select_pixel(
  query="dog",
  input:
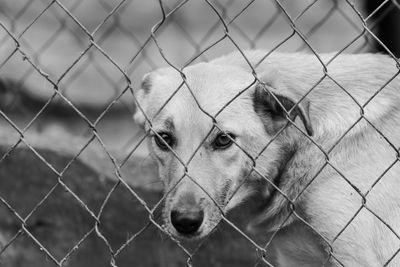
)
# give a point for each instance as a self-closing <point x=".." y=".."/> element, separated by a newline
<point x="316" y="138"/>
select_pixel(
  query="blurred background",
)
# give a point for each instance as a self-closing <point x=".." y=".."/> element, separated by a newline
<point x="56" y="39"/>
<point x="67" y="69"/>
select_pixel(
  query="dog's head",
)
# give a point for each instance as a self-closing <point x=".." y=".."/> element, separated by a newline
<point x="208" y="133"/>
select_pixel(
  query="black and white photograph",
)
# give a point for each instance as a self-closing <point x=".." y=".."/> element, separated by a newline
<point x="199" y="133"/>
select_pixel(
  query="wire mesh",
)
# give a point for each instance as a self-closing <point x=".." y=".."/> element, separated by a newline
<point x="84" y="60"/>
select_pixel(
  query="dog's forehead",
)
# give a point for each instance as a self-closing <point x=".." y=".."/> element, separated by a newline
<point x="206" y="85"/>
<point x="208" y="90"/>
<point x="223" y="93"/>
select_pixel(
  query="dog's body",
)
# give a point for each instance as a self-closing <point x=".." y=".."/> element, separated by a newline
<point x="325" y="188"/>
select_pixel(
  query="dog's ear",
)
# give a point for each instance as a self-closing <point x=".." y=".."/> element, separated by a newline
<point x="140" y="95"/>
<point x="274" y="100"/>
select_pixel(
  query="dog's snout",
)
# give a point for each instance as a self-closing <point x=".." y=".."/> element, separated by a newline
<point x="187" y="221"/>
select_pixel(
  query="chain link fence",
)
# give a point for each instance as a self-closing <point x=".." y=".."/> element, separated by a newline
<point x="78" y="187"/>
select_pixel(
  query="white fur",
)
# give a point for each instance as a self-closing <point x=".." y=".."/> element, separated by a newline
<point x="329" y="202"/>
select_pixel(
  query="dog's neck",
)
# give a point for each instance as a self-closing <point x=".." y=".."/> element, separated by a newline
<point x="301" y="169"/>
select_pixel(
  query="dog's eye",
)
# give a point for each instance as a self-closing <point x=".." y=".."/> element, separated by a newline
<point x="164" y="139"/>
<point x="223" y="141"/>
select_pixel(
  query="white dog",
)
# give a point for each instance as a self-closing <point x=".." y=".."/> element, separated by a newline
<point x="327" y="171"/>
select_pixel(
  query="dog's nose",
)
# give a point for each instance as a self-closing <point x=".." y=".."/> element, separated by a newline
<point x="187" y="221"/>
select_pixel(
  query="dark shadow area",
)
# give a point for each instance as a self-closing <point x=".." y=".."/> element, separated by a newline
<point x="388" y="25"/>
